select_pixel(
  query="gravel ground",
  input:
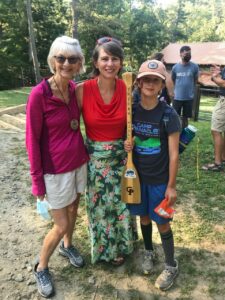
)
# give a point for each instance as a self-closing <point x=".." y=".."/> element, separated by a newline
<point x="22" y="231"/>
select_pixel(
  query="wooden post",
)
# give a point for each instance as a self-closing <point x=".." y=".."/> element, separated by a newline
<point x="75" y="19"/>
<point x="32" y="42"/>
<point x="196" y="103"/>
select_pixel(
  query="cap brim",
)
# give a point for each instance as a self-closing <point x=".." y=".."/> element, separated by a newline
<point x="150" y="73"/>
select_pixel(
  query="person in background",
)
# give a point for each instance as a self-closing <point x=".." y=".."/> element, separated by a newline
<point x="103" y="104"/>
<point x="184" y="76"/>
<point x="57" y="155"/>
<point x="156" y="130"/>
<point x="135" y="93"/>
<point x="218" y="122"/>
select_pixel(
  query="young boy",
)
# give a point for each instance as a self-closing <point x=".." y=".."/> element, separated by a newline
<point x="156" y="129"/>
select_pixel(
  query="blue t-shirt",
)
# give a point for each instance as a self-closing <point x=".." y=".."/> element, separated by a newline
<point x="184" y="77"/>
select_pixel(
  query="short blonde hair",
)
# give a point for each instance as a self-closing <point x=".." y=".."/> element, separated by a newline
<point x="65" y="45"/>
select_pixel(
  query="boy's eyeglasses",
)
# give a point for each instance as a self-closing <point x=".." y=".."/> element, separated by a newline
<point x="107" y="39"/>
<point x="71" y="59"/>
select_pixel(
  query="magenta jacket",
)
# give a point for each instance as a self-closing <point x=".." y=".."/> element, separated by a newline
<point x="53" y="146"/>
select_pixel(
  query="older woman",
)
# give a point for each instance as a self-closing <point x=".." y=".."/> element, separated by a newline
<point x="103" y="104"/>
<point x="57" y="153"/>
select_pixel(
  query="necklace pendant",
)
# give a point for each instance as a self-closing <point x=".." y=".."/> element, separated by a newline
<point x="74" y="124"/>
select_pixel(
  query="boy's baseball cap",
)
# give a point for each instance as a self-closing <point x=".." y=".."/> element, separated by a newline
<point x="152" y="67"/>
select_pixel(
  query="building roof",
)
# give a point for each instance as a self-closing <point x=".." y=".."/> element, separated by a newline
<point x="205" y="79"/>
<point x="202" y="53"/>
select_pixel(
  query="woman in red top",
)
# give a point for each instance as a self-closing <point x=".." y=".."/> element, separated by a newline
<point x="103" y="104"/>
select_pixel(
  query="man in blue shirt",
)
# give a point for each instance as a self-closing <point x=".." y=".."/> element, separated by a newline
<point x="184" y="76"/>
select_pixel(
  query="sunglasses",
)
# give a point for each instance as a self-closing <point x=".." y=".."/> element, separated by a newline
<point x="71" y="60"/>
<point x="107" y="39"/>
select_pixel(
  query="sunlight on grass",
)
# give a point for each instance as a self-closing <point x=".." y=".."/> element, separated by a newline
<point x="207" y="190"/>
<point x="206" y="108"/>
<point x="14" y="97"/>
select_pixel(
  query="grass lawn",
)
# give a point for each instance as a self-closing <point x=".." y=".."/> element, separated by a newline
<point x="206" y="106"/>
<point x="14" y="97"/>
<point x="19" y="96"/>
<point x="200" y="222"/>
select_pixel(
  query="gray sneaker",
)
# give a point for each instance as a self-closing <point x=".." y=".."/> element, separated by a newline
<point x="73" y="254"/>
<point x="44" y="282"/>
<point x="167" y="277"/>
<point x="148" y="262"/>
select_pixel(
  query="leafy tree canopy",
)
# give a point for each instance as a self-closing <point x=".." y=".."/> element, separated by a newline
<point x="143" y="26"/>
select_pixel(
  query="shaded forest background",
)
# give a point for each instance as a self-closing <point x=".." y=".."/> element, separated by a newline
<point x="143" y="26"/>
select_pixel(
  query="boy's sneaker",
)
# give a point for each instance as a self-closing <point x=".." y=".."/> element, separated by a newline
<point x="44" y="282"/>
<point x="166" y="278"/>
<point x="73" y="254"/>
<point x="148" y="262"/>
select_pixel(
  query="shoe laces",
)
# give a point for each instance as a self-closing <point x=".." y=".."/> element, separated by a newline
<point x="73" y="251"/>
<point x="149" y="255"/>
<point x="44" y="277"/>
<point x="166" y="273"/>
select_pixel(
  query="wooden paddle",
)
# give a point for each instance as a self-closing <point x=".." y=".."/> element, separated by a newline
<point x="130" y="184"/>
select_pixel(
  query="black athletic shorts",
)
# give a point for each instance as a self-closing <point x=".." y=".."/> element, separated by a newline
<point x="183" y="107"/>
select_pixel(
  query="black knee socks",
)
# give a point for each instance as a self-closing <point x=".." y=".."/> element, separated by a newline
<point x="168" y="247"/>
<point x="167" y="243"/>
<point x="147" y="235"/>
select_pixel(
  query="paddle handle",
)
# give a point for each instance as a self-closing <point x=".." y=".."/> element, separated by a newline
<point x="130" y="184"/>
<point x="129" y="114"/>
<point x="128" y="79"/>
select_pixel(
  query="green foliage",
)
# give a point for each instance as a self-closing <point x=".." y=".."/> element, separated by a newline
<point x="13" y="49"/>
<point x="208" y="19"/>
<point x="50" y="15"/>
<point x="142" y="25"/>
<point x="97" y="19"/>
<point x="13" y="97"/>
<point x="196" y="21"/>
<point x="49" y="22"/>
<point x="147" y="35"/>
<point x="176" y="21"/>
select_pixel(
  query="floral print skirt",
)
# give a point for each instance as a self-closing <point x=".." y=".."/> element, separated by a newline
<point x="112" y="229"/>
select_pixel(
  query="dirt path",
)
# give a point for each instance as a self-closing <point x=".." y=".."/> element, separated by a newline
<point x="22" y="231"/>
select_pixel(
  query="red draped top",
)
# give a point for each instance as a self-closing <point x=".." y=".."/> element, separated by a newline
<point x="104" y="122"/>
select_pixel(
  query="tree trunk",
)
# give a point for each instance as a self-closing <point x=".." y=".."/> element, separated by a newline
<point x="75" y="19"/>
<point x="32" y="42"/>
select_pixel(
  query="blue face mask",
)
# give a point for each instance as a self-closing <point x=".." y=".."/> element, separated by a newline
<point x="43" y="208"/>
